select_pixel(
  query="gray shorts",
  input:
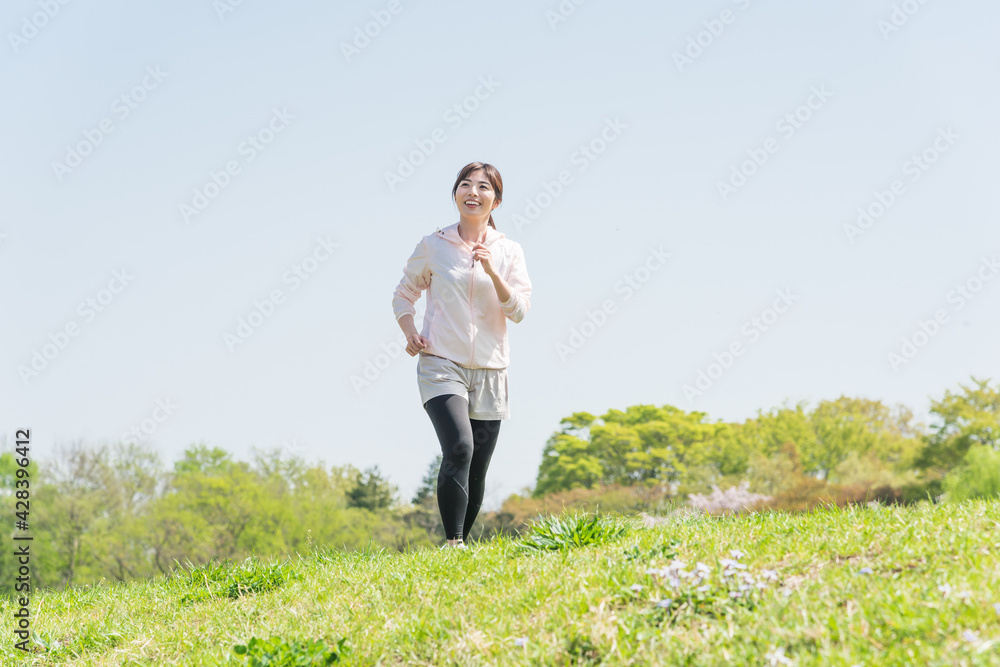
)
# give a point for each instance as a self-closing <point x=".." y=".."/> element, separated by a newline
<point x="484" y="388"/>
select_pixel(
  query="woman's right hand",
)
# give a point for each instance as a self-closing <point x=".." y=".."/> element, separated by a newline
<point x="414" y="343"/>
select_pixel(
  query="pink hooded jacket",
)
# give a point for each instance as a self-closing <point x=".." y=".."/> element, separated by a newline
<point x="464" y="320"/>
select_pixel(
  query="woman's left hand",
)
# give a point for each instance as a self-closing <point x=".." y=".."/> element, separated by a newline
<point x="482" y="254"/>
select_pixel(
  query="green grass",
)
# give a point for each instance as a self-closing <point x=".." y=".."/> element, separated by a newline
<point x="870" y="586"/>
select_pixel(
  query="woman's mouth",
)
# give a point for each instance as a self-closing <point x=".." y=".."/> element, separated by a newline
<point x="472" y="204"/>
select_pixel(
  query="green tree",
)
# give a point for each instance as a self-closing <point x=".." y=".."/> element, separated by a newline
<point x="427" y="492"/>
<point x="8" y="489"/>
<point x="613" y="442"/>
<point x="643" y="444"/>
<point x="673" y="443"/>
<point x="72" y="500"/>
<point x="212" y="508"/>
<point x="371" y="491"/>
<point x="861" y="430"/>
<point x="132" y="478"/>
<point x="769" y="432"/>
<point x="977" y="477"/>
<point x="568" y="462"/>
<point x="568" y="459"/>
<point x="964" y="418"/>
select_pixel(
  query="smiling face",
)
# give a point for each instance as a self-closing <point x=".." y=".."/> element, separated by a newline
<point x="475" y="195"/>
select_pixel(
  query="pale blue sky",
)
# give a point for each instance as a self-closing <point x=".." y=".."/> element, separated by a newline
<point x="884" y="98"/>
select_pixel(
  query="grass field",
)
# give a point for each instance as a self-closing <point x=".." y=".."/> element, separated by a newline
<point x="916" y="585"/>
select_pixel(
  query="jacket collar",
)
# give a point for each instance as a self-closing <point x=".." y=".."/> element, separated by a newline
<point x="451" y="234"/>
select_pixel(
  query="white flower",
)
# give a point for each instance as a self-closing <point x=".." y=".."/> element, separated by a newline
<point x="778" y="657"/>
<point x="706" y="587"/>
<point x="865" y="570"/>
<point x="770" y="574"/>
<point x="733" y="499"/>
<point x="964" y="594"/>
<point x="664" y="603"/>
<point x="996" y="607"/>
<point x="701" y="567"/>
<point x="737" y="554"/>
<point x="970" y="636"/>
<point x="726" y="562"/>
<point x="635" y="587"/>
<point x="520" y="641"/>
<point x="945" y="589"/>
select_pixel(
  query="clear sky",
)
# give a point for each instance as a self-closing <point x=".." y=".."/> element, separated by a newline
<point x="169" y="169"/>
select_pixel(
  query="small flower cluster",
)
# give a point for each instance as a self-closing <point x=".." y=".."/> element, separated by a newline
<point x="698" y="585"/>
<point x="969" y="636"/>
<point x="778" y="657"/>
<point x="946" y="589"/>
<point x="733" y="499"/>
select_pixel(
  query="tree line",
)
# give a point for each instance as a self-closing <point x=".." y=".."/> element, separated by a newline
<point x="114" y="512"/>
<point x="847" y="441"/>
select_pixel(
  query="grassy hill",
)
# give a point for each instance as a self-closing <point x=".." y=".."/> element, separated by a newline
<point x="917" y="585"/>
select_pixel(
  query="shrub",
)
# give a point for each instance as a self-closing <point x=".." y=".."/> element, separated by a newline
<point x="277" y="652"/>
<point x="977" y="477"/>
<point x="564" y="532"/>
<point x="810" y="492"/>
<point x="516" y="513"/>
<point x="233" y="580"/>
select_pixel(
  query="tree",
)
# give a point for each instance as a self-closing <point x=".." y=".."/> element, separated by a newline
<point x="568" y="462"/>
<point x="71" y="501"/>
<point x="673" y="443"/>
<point x="967" y="418"/>
<point x="860" y="429"/>
<point x="770" y="431"/>
<point x="977" y="477"/>
<point x="133" y="479"/>
<point x="644" y="443"/>
<point x="371" y="491"/>
<point x="427" y="492"/>
<point x="8" y="498"/>
<point x="214" y="507"/>
<point x="613" y="442"/>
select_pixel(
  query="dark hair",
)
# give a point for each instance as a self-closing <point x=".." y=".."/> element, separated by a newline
<point x="492" y="175"/>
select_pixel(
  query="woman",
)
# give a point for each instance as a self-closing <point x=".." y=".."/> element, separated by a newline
<point x="476" y="281"/>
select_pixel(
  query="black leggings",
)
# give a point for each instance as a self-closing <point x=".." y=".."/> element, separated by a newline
<point x="466" y="447"/>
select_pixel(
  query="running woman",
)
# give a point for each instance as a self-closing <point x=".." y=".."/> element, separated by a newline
<point x="476" y="281"/>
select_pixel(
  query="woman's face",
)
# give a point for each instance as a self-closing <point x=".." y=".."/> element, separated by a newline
<point x="475" y="195"/>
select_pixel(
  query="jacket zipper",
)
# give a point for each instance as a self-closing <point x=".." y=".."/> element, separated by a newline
<point x="472" y="315"/>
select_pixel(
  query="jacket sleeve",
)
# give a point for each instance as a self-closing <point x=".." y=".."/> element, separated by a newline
<point x="516" y="307"/>
<point x="416" y="278"/>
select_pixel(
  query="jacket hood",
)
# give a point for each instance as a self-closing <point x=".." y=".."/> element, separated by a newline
<point x="451" y="233"/>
